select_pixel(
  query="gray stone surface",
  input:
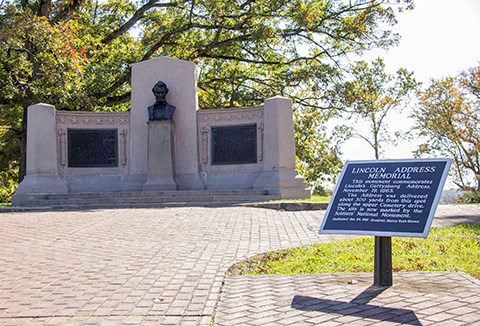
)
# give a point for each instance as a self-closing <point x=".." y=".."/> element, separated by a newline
<point x="279" y="174"/>
<point x="125" y="199"/>
<point x="160" y="175"/>
<point x="180" y="77"/>
<point x="166" y="267"/>
<point x="42" y="171"/>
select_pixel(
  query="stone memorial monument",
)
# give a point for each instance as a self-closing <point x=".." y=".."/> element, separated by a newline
<point x="164" y="143"/>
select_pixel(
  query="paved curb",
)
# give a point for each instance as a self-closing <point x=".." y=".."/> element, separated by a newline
<point x="71" y="207"/>
<point x="280" y="206"/>
<point x="290" y="206"/>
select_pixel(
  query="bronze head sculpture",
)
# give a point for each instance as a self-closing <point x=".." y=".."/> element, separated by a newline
<point x="161" y="110"/>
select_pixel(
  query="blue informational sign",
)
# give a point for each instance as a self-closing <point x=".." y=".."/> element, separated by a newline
<point x="386" y="197"/>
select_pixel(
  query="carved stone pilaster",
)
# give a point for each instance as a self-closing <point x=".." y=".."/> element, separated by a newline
<point x="62" y="135"/>
<point x="123" y="147"/>
<point x="204" y="149"/>
<point x="260" y="129"/>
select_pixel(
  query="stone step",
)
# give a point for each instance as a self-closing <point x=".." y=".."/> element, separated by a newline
<point x="150" y="199"/>
<point x="132" y="201"/>
<point x="43" y="206"/>
<point x="153" y="194"/>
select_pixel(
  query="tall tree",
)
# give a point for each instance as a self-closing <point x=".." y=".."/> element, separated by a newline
<point x="76" y="54"/>
<point x="448" y="115"/>
<point x="370" y="96"/>
<point x="319" y="155"/>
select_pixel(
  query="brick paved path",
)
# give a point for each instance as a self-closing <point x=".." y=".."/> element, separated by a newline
<point x="325" y="299"/>
<point x="134" y="266"/>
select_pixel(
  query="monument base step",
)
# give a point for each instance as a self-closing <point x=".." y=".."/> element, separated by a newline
<point x="146" y="199"/>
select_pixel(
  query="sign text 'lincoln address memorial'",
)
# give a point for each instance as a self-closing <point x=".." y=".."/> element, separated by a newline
<point x="387" y="197"/>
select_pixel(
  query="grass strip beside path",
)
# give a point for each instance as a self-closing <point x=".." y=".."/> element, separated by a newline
<point x="450" y="249"/>
<point x="312" y="199"/>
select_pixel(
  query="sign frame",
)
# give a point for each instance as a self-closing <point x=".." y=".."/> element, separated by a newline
<point x="383" y="233"/>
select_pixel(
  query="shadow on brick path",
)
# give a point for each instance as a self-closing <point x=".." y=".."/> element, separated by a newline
<point x="357" y="307"/>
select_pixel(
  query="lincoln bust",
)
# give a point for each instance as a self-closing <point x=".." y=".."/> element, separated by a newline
<point x="161" y="110"/>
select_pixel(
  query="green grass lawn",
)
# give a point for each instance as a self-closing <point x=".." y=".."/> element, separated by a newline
<point x="452" y="249"/>
<point x="317" y="198"/>
<point x="312" y="199"/>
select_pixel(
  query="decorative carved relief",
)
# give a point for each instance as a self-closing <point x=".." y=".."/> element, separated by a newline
<point x="62" y="134"/>
<point x="123" y="147"/>
<point x="92" y="118"/>
<point x="249" y="114"/>
<point x="205" y="132"/>
<point x="260" y="141"/>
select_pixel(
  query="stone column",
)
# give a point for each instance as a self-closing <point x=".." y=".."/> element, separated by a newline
<point x="160" y="159"/>
<point x="42" y="155"/>
<point x="181" y="78"/>
<point x="279" y="175"/>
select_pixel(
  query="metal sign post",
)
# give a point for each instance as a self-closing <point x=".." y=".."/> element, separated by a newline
<point x="386" y="198"/>
<point x="382" y="269"/>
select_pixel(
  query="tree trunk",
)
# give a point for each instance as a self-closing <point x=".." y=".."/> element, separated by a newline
<point x="376" y="146"/>
<point x="477" y="175"/>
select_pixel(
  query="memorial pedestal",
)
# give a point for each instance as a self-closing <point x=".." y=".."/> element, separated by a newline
<point x="160" y="157"/>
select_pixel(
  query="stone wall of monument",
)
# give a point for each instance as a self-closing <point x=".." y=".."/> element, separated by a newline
<point x="109" y="133"/>
<point x="246" y="163"/>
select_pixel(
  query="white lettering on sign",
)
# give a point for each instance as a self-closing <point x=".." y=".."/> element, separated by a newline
<point x="386" y="197"/>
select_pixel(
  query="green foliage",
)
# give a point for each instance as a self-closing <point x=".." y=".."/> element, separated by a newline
<point x="370" y="96"/>
<point x="448" y="116"/>
<point x="452" y="249"/>
<point x="470" y="197"/>
<point x="318" y="198"/>
<point x="9" y="147"/>
<point x="312" y="199"/>
<point x="76" y="55"/>
<point x="319" y="157"/>
<point x="8" y="184"/>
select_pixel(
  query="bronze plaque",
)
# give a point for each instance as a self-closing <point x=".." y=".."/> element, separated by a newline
<point x="91" y="148"/>
<point x="234" y="144"/>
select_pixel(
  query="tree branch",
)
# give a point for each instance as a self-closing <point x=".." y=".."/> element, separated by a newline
<point x="163" y="41"/>
<point x="125" y="78"/>
<point x="44" y="8"/>
<point x="66" y="10"/>
<point x="120" y="99"/>
<point x="135" y="18"/>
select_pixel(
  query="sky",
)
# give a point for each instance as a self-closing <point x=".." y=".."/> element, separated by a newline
<point x="439" y="38"/>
